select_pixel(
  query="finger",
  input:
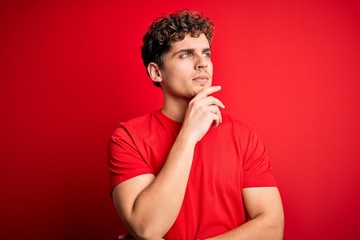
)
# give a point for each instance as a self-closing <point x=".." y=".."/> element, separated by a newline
<point x="217" y="117"/>
<point x="210" y="100"/>
<point x="216" y="121"/>
<point x="206" y="91"/>
<point x="216" y="110"/>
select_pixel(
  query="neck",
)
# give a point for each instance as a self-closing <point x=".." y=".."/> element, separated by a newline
<point x="175" y="108"/>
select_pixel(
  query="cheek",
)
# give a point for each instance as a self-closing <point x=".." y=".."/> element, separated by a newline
<point x="185" y="67"/>
<point x="183" y="72"/>
<point x="179" y="72"/>
<point x="210" y="68"/>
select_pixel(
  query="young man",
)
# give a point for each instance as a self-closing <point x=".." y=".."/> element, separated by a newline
<point x="188" y="171"/>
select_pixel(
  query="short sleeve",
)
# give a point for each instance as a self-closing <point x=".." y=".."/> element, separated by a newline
<point x="125" y="159"/>
<point x="257" y="167"/>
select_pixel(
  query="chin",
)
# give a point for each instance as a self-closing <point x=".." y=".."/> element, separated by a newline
<point x="202" y="86"/>
<point x="196" y="91"/>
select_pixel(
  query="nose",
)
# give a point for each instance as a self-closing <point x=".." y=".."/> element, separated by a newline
<point x="201" y="62"/>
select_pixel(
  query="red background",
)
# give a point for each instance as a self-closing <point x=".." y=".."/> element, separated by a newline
<point x="70" y="71"/>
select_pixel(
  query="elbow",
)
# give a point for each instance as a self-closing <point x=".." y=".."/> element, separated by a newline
<point x="144" y="229"/>
<point x="272" y="226"/>
<point x="278" y="233"/>
<point x="277" y="228"/>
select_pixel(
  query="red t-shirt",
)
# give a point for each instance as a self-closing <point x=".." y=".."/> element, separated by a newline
<point x="226" y="160"/>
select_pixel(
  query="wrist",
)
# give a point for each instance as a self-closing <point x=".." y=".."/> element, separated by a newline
<point x="186" y="138"/>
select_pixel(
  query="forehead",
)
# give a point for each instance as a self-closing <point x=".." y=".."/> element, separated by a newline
<point x="189" y="42"/>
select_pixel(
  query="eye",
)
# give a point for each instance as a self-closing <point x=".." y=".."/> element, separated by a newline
<point x="207" y="54"/>
<point x="185" y="55"/>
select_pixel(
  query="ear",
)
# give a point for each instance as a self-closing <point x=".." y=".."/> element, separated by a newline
<point x="154" y="72"/>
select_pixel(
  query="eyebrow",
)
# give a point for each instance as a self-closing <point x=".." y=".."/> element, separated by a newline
<point x="190" y="50"/>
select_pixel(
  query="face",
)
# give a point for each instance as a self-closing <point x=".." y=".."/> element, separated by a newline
<point x="187" y="67"/>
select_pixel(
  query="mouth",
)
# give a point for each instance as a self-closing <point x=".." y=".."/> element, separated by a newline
<point x="201" y="78"/>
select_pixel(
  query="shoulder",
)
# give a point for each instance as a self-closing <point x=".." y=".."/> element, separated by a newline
<point x="138" y="122"/>
<point x="131" y="126"/>
<point x="237" y="129"/>
<point x="236" y="124"/>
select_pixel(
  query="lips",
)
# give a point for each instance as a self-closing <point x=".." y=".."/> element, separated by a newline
<point x="201" y="78"/>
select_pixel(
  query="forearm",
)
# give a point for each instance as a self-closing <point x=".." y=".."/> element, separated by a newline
<point x="157" y="206"/>
<point x="260" y="228"/>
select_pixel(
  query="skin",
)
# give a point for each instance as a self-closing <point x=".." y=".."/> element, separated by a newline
<point x="142" y="201"/>
<point x="187" y="70"/>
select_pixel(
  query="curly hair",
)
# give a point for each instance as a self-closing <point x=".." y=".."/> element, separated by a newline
<point x="173" y="28"/>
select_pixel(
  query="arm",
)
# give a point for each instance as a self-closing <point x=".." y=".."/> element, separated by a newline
<point x="264" y="207"/>
<point x="149" y="205"/>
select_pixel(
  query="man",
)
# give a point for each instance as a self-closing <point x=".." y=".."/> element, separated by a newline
<point x="188" y="171"/>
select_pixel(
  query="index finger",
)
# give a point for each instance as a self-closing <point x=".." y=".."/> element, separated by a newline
<point x="206" y="92"/>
